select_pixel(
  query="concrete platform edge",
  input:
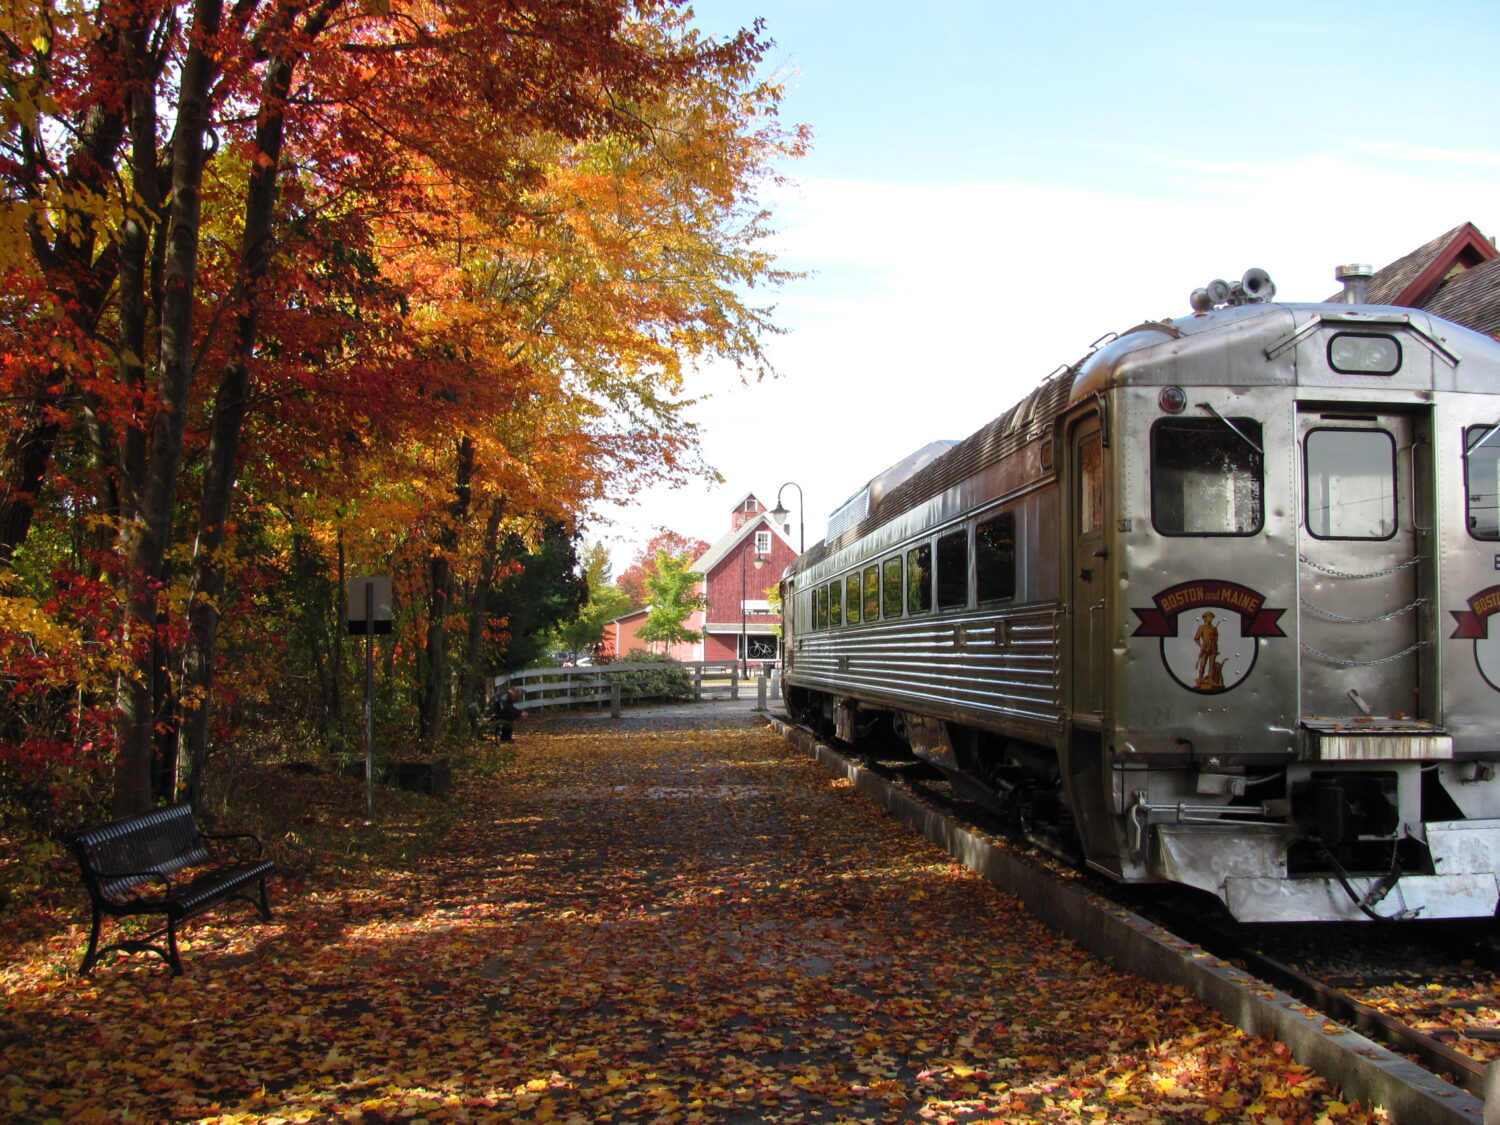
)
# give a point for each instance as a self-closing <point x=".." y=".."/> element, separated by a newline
<point x="1361" y="1068"/>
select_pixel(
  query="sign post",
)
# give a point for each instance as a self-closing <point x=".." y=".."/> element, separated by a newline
<point x="369" y="612"/>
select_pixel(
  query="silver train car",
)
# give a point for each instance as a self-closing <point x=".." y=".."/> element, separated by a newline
<point x="1211" y="606"/>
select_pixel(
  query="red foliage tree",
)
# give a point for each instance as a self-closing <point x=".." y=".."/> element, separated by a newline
<point x="205" y="203"/>
<point x="633" y="579"/>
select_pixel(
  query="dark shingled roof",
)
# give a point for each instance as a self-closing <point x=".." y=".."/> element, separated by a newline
<point x="1471" y="297"/>
<point x="1456" y="276"/>
<point x="1391" y="281"/>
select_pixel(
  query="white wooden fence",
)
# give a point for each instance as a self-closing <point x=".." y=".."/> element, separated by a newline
<point x="608" y="684"/>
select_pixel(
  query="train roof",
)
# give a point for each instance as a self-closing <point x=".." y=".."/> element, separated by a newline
<point x="1127" y="359"/>
<point x="1130" y="358"/>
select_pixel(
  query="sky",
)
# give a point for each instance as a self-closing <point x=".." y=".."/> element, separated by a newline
<point x="993" y="186"/>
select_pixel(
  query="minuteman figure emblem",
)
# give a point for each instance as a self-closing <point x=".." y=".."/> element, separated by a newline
<point x="1231" y="621"/>
<point x="1210" y="667"/>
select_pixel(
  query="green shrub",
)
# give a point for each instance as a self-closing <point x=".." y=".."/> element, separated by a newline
<point x="666" y="679"/>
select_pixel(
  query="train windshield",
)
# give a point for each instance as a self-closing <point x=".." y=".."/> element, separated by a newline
<point x="1351" y="484"/>
<point x="1207" y="476"/>
<point x="1482" y="474"/>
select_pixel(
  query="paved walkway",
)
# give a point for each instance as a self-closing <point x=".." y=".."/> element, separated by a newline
<point x="671" y="917"/>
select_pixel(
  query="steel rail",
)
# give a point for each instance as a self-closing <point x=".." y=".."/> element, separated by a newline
<point x="1428" y="1050"/>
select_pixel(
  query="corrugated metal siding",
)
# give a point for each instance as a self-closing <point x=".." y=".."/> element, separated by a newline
<point x="1006" y="668"/>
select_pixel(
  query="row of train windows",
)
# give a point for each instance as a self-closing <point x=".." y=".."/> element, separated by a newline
<point x="1207" y="478"/>
<point x="935" y="573"/>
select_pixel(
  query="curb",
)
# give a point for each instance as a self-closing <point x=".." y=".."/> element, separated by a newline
<point x="1361" y="1068"/>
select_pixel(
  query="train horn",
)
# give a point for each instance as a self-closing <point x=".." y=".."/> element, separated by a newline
<point x="1258" y="285"/>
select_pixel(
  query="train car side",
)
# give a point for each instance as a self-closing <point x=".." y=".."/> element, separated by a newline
<point x="1187" y="609"/>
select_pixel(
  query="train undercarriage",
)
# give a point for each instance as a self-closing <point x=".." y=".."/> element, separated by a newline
<point x="1343" y="841"/>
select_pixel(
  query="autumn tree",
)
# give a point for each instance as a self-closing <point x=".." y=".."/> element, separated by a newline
<point x="671" y="597"/>
<point x="644" y="564"/>
<point x="271" y="251"/>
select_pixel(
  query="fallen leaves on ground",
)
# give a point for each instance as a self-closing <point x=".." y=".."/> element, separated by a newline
<point x="637" y="925"/>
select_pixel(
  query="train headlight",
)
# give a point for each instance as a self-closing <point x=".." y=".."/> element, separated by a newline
<point x="1352" y="353"/>
<point x="1172" y="399"/>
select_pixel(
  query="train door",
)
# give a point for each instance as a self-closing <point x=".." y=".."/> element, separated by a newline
<point x="1087" y="776"/>
<point x="1087" y="584"/>
<point x="1359" y="547"/>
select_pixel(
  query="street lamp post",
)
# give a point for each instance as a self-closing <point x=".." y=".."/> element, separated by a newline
<point x="760" y="561"/>
<point x="779" y="513"/>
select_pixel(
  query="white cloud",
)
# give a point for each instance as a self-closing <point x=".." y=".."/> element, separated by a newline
<point x="934" y="307"/>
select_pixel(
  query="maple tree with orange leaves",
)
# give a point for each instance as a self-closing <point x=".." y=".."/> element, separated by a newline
<point x="301" y="289"/>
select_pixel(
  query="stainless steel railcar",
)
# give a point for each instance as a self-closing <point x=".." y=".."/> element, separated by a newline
<point x="1213" y="606"/>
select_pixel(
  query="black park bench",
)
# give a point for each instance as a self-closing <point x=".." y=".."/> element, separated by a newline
<point x="162" y="863"/>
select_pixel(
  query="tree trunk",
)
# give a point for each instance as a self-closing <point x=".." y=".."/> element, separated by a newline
<point x="147" y="535"/>
<point x="479" y="600"/>
<point x="222" y="462"/>
<point x="337" y="648"/>
<point x="23" y="464"/>
<point x="440" y="598"/>
<point x="80" y="284"/>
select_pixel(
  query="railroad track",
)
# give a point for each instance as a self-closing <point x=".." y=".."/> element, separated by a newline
<point x="1429" y="991"/>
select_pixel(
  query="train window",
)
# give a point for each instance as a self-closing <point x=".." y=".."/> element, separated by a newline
<point x="1356" y="353"/>
<point x="851" y="603"/>
<point x="1482" y="481"/>
<point x="872" y="593"/>
<point x="1206" y="476"/>
<point x="1350" y="478"/>
<point x="919" y="579"/>
<point x="1090" y="484"/>
<point x="953" y="570"/>
<point x="890" y="587"/>
<point x="835" y="596"/>
<point x="995" y="558"/>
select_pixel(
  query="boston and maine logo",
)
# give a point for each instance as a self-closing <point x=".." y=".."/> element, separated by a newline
<point x="1474" y="625"/>
<point x="1218" y="647"/>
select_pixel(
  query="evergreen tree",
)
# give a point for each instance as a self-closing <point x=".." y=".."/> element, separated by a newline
<point x="606" y="601"/>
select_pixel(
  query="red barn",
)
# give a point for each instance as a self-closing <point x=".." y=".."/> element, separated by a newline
<point x="739" y="572"/>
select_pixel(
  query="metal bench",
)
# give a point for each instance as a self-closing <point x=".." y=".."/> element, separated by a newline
<point x="162" y="863"/>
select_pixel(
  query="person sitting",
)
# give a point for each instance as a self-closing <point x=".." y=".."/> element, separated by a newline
<point x="503" y="712"/>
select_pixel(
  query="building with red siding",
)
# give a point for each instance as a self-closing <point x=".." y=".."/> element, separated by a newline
<point x="738" y="621"/>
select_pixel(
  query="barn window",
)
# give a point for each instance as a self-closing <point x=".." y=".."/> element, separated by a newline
<point x="762" y="542"/>
<point x="953" y="570"/>
<point x="995" y="557"/>
<point x="919" y="579"/>
<point x="759" y="647"/>
<point x="890" y="587"/>
<point x="1206" y="476"/>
